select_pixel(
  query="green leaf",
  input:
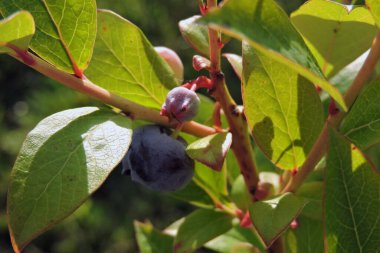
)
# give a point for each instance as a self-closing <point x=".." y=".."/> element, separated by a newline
<point x="235" y="240"/>
<point x="195" y="35"/>
<point x="240" y="194"/>
<point x="268" y="29"/>
<point x="233" y="169"/>
<point x="236" y="62"/>
<point x="352" y="199"/>
<point x="126" y="64"/>
<point x="195" y="195"/>
<point x="16" y="30"/>
<point x="306" y="238"/>
<point x="271" y="217"/>
<point x="228" y="242"/>
<point x="61" y="163"/>
<point x="374" y="7"/>
<point x="151" y="240"/>
<point x="283" y="109"/>
<point x="337" y="26"/>
<point x="313" y="193"/>
<point x="211" y="150"/>
<point x="200" y="227"/>
<point x="362" y="123"/>
<point x="213" y="182"/>
<point x="65" y="33"/>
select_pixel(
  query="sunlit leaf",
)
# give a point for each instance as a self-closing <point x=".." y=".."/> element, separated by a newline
<point x="374" y="7"/>
<point x="283" y="110"/>
<point x="195" y="35"/>
<point x="211" y="150"/>
<point x="61" y="163"/>
<point x="126" y="64"/>
<point x="65" y="33"/>
<point x="268" y="29"/>
<point x="16" y="30"/>
<point x="343" y="33"/>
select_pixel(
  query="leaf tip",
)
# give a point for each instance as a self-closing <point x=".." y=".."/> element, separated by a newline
<point x="17" y="248"/>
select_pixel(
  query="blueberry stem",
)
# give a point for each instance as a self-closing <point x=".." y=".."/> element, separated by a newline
<point x="177" y="130"/>
<point x="85" y="86"/>
<point x="241" y="144"/>
<point x="216" y="115"/>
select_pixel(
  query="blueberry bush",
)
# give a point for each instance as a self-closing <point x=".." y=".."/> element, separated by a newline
<point x="292" y="169"/>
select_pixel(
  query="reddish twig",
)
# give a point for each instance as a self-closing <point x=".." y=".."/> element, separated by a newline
<point x="132" y="109"/>
<point x="241" y="142"/>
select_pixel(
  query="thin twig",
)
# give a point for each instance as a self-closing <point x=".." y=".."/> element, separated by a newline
<point x="241" y="145"/>
<point x="319" y="148"/>
<point x="132" y="109"/>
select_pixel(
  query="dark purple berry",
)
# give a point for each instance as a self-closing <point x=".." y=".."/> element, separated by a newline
<point x="181" y="105"/>
<point x="157" y="160"/>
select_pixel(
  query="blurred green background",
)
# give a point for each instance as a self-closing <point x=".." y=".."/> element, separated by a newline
<point x="103" y="223"/>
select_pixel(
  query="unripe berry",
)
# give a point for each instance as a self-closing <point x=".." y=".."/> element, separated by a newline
<point x="173" y="60"/>
<point x="157" y="160"/>
<point x="181" y="105"/>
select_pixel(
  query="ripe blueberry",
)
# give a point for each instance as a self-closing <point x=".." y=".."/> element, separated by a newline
<point x="181" y="105"/>
<point x="157" y="160"/>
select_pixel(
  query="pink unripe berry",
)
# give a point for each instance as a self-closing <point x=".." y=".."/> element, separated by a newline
<point x="173" y="60"/>
<point x="181" y="105"/>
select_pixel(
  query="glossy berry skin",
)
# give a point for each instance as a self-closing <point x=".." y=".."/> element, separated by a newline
<point x="181" y="105"/>
<point x="157" y="160"/>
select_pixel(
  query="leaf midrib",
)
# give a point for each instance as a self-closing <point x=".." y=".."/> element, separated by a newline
<point x="348" y="200"/>
<point x="74" y="65"/>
